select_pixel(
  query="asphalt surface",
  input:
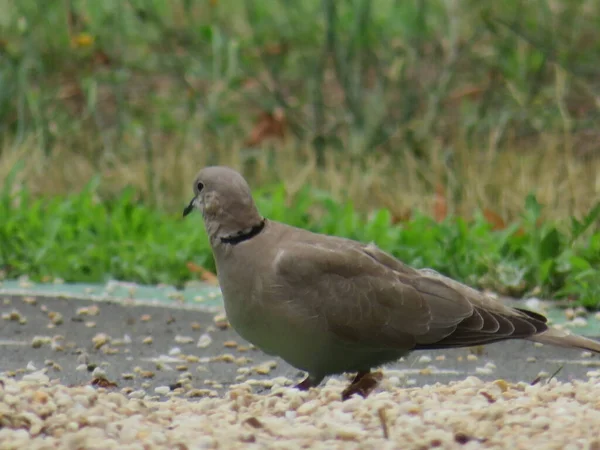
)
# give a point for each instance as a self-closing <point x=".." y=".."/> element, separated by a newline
<point x="142" y="347"/>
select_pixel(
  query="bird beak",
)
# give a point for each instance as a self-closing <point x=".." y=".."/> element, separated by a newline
<point x="189" y="208"/>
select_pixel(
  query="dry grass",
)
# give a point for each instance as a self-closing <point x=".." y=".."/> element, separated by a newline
<point x="470" y="178"/>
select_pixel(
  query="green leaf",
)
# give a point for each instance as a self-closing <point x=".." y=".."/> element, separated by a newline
<point x="550" y="246"/>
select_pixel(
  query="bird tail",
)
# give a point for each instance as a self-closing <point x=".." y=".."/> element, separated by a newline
<point x="561" y="338"/>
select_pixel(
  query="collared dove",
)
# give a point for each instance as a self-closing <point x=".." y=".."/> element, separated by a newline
<point x="329" y="305"/>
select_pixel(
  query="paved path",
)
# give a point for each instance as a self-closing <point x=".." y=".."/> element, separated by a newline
<point x="140" y="346"/>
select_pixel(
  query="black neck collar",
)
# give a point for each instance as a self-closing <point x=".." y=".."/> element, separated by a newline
<point x="242" y="236"/>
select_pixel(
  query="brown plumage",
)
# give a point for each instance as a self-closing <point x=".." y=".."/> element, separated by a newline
<point x="329" y="305"/>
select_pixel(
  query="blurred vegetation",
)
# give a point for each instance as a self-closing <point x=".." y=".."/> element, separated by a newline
<point x="447" y="114"/>
<point x="487" y="101"/>
<point x="78" y="238"/>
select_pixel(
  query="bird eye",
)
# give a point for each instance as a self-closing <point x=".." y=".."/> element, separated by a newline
<point x="200" y="186"/>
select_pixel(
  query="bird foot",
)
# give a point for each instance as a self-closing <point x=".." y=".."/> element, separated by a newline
<point x="304" y="385"/>
<point x="363" y="384"/>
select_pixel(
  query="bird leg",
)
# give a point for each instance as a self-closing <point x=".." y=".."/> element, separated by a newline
<point x="363" y="384"/>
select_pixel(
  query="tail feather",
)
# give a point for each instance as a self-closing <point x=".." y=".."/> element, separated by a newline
<point x="561" y="338"/>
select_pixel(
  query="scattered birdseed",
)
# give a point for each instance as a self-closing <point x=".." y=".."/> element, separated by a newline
<point x="162" y="390"/>
<point x="174" y="351"/>
<point x="28" y="300"/>
<point x="230" y="344"/>
<point x="147" y="340"/>
<point x="184" y="339"/>
<point x="503" y="385"/>
<point x="204" y="341"/>
<point x="147" y="374"/>
<point x="14" y="316"/>
<point x="92" y="310"/>
<point x="265" y="368"/>
<point x="192" y="358"/>
<point x="424" y="359"/>
<point x="486" y="370"/>
<point x="471" y="357"/>
<point x="199" y="393"/>
<point x="90" y="324"/>
<point x="100" y="339"/>
<point x="38" y="341"/>
<point x="55" y="317"/>
<point x="145" y="317"/>
<point x="109" y="350"/>
<point x="128" y="376"/>
<point x="221" y="321"/>
<point x="99" y="373"/>
<point x="195" y="326"/>
<point x="225" y="357"/>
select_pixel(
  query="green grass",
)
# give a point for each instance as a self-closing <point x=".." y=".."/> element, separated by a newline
<point x="79" y="238"/>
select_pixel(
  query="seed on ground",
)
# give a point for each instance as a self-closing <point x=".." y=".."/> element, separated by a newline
<point x="225" y="357"/>
<point x="184" y="339"/>
<point x="100" y="339"/>
<point x="265" y="368"/>
<point x="38" y="341"/>
<point x="204" y="341"/>
<point x="162" y="390"/>
<point x="55" y="317"/>
<point x="29" y="300"/>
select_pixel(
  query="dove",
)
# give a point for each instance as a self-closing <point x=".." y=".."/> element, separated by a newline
<point x="329" y="305"/>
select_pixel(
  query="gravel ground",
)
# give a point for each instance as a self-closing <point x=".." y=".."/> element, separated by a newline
<point x="36" y="413"/>
<point x="101" y="375"/>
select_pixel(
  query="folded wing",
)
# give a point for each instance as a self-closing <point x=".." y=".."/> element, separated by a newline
<point x="366" y="297"/>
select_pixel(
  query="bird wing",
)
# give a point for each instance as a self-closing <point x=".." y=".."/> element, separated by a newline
<point x="367" y="297"/>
